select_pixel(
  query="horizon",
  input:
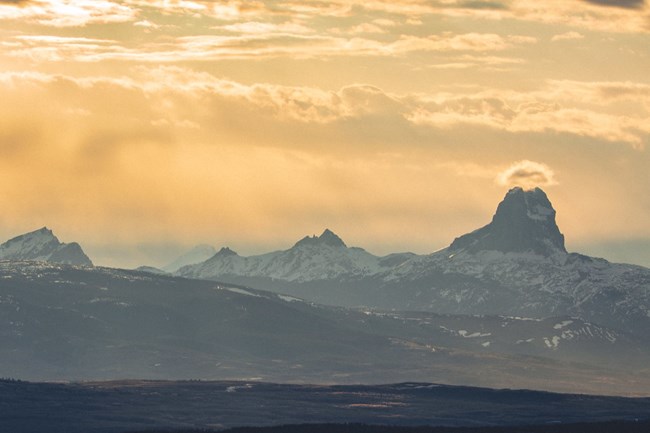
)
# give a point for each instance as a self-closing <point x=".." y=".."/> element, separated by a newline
<point x="173" y="252"/>
<point x="140" y="128"/>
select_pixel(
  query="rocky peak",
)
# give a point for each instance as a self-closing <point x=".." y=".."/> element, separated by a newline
<point x="43" y="245"/>
<point x="225" y="252"/>
<point x="524" y="221"/>
<point x="328" y="237"/>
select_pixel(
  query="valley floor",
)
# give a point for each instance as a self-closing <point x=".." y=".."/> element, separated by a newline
<point x="128" y="406"/>
<point x="604" y="427"/>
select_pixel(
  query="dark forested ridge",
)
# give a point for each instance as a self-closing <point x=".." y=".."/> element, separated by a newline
<point x="131" y="406"/>
<point x="604" y="427"/>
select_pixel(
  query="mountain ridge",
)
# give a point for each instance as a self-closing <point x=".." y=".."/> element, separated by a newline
<point x="311" y="258"/>
<point x="43" y="245"/>
<point x="517" y="265"/>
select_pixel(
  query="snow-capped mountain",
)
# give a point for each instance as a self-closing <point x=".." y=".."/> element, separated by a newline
<point x="197" y="254"/>
<point x="516" y="265"/>
<point x="42" y="245"/>
<point x="313" y="258"/>
<point x="524" y="222"/>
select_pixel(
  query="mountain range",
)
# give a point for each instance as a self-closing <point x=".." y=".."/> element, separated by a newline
<point x="504" y="306"/>
<point x="515" y="265"/>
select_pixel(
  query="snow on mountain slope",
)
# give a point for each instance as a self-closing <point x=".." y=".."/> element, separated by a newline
<point x="518" y="264"/>
<point x="315" y="258"/>
<point x="197" y="254"/>
<point x="42" y="245"/>
<point x="524" y="221"/>
<point x="65" y="322"/>
<point x="515" y="265"/>
<point x="528" y="284"/>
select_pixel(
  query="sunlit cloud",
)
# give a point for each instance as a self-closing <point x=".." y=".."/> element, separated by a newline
<point x="61" y="48"/>
<point x="146" y="24"/>
<point x="527" y="174"/>
<point x="513" y="112"/>
<point x="116" y="108"/>
<point x="256" y="27"/>
<point x="599" y="15"/>
<point x="255" y="44"/>
<point x="599" y="92"/>
<point x="224" y="10"/>
<point x="533" y="116"/>
<point x="568" y="36"/>
<point x="67" y="13"/>
<point x="467" y="61"/>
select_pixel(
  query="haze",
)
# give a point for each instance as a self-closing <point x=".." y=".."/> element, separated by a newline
<point x="142" y="127"/>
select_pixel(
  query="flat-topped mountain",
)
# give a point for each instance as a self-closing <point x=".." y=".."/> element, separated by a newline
<point x="42" y="245"/>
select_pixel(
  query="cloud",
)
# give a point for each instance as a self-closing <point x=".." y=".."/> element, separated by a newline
<point x="527" y="174"/>
<point x="631" y="16"/>
<point x="468" y="61"/>
<point x="67" y="13"/>
<point x="146" y="24"/>
<point x="105" y="153"/>
<point x="601" y="93"/>
<point x="482" y="5"/>
<point x="258" y="41"/>
<point x="632" y="4"/>
<point x="567" y="36"/>
<point x="265" y="28"/>
<point x="223" y="10"/>
<point x="586" y="109"/>
<point x="626" y="16"/>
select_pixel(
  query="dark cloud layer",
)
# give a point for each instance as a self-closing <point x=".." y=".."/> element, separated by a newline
<point x="630" y="4"/>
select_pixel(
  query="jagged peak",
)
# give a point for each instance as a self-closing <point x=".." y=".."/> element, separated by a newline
<point x="42" y="235"/>
<point x="43" y="245"/>
<point x="226" y="251"/>
<point x="328" y="237"/>
<point x="524" y="221"/>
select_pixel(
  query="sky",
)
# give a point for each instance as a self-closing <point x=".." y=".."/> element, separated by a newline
<point x="140" y="128"/>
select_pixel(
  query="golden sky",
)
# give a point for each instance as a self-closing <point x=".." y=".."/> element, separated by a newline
<point x="142" y="127"/>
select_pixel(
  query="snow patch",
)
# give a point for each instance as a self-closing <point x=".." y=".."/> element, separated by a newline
<point x="463" y="333"/>
<point x="563" y="324"/>
<point x="539" y="213"/>
<point x="236" y="388"/>
<point x="553" y="342"/>
<point x="530" y="340"/>
<point x="289" y="298"/>
<point x="240" y="291"/>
